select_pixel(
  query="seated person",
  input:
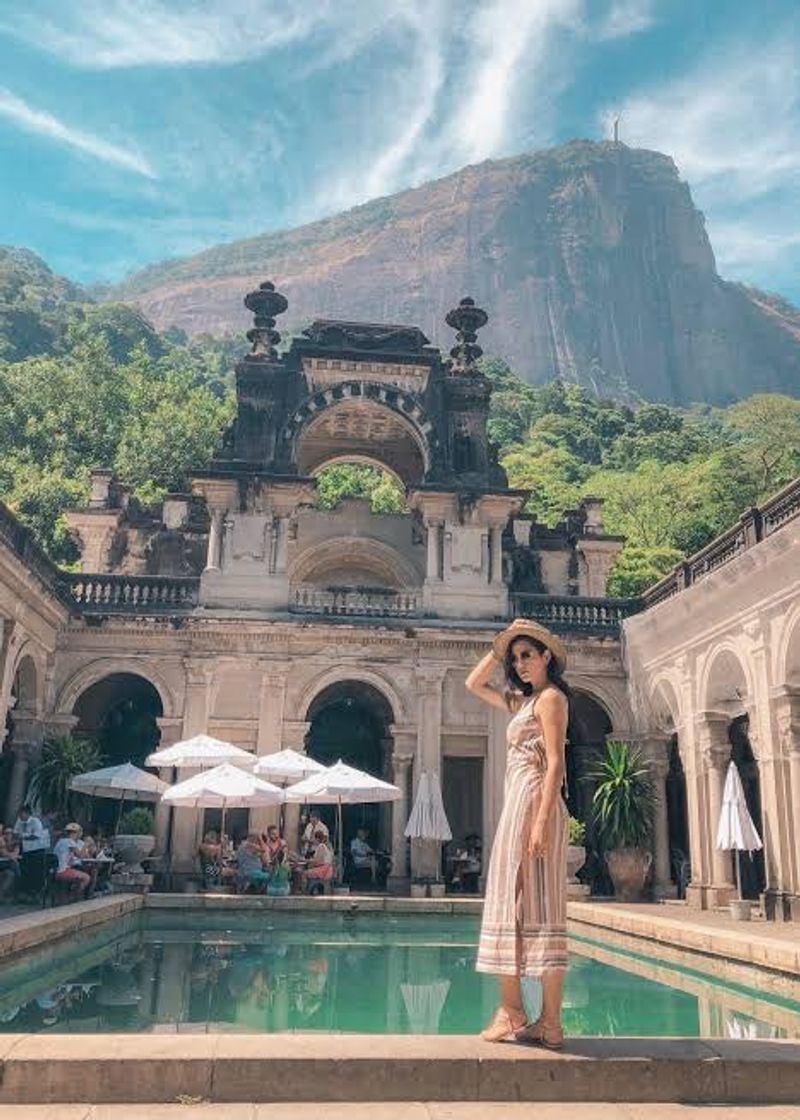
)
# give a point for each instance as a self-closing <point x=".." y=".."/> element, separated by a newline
<point x="320" y="864"/>
<point x="68" y="852"/>
<point x="314" y="825"/>
<point x="273" y="843"/>
<point x="250" y="863"/>
<point x="210" y="854"/>
<point x="362" y="854"/>
<point x="279" y="875"/>
<point x="9" y="863"/>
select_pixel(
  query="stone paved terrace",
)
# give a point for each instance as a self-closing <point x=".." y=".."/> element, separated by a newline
<point x="434" y="1110"/>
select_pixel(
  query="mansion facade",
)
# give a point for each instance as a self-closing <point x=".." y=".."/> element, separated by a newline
<point x="246" y="611"/>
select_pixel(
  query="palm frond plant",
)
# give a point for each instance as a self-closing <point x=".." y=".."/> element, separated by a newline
<point x="624" y="808"/>
<point x="62" y="760"/>
<point x="624" y="798"/>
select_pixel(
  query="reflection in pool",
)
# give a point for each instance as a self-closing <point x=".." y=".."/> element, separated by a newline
<point x="371" y="973"/>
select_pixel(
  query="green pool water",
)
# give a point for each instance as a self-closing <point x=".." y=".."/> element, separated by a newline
<point x="372" y="973"/>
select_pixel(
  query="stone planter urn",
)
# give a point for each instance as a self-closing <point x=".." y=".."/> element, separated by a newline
<point x="132" y="850"/>
<point x="437" y="890"/>
<point x="576" y="857"/>
<point x="741" y="909"/>
<point x="419" y="890"/>
<point x="629" y="868"/>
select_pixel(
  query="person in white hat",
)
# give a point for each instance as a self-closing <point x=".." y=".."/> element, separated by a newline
<point x="524" y="932"/>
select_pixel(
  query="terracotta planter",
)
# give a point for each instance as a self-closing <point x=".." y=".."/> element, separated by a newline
<point x="576" y="857"/>
<point x="629" y="868"/>
<point x="132" y="850"/>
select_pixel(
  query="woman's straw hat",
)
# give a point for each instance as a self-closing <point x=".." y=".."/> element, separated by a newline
<point x="525" y="628"/>
<point x="73" y="827"/>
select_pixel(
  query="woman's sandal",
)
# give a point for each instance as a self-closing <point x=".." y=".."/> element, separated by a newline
<point x="502" y="1028"/>
<point x="541" y="1035"/>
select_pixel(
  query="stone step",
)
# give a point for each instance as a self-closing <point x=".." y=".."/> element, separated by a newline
<point x="159" y="1068"/>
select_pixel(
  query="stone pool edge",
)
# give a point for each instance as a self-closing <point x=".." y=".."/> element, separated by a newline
<point x="160" y="1068"/>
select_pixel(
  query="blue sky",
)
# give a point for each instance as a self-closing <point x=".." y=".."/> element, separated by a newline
<point x="134" y="130"/>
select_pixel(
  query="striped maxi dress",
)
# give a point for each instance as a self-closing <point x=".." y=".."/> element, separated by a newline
<point x="524" y="928"/>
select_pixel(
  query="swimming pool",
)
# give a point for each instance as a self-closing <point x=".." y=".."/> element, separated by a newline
<point x="370" y="973"/>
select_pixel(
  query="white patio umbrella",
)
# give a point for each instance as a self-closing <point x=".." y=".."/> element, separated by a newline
<point x="201" y="752"/>
<point x="339" y="785"/>
<point x="735" y="830"/>
<point x="225" y="787"/>
<point x="122" y="783"/>
<point x="428" y="821"/>
<point x="284" y="768"/>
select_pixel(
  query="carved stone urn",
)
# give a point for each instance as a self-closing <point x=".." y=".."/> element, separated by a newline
<point x="629" y="868"/>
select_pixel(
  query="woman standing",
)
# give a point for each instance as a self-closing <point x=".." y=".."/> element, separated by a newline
<point x="524" y="915"/>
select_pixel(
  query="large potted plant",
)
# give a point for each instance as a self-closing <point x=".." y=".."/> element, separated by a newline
<point x="61" y="760"/>
<point x="135" y="839"/>
<point x="624" y="806"/>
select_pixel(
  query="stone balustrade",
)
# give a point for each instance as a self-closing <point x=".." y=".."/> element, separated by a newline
<point x="97" y="593"/>
<point x="753" y="526"/>
<point x="574" y="613"/>
<point x="369" y="602"/>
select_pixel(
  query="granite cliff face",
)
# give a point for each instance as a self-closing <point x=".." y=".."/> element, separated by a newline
<point x="591" y="259"/>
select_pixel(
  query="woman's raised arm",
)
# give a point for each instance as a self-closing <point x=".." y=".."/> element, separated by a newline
<point x="478" y="682"/>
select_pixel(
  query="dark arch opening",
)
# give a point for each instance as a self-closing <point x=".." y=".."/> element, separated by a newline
<point x="120" y="713"/>
<point x="590" y="726"/>
<point x="751" y="869"/>
<point x="350" y="721"/>
<point x="677" y="820"/>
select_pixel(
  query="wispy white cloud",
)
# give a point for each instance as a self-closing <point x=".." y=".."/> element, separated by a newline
<point x="42" y="123"/>
<point x="113" y="34"/>
<point x="732" y="124"/>
<point x="511" y="42"/>
<point x="625" y="17"/>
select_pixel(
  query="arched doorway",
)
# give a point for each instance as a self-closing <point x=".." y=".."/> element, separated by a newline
<point x="751" y="870"/>
<point x="120" y="713"/>
<point x="590" y="726"/>
<point x="350" y="721"/>
<point x="677" y="819"/>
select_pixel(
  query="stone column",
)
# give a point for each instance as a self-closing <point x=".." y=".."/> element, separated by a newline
<point x="496" y="547"/>
<point x="426" y="855"/>
<point x="434" y="537"/>
<point x="22" y="754"/>
<point x="214" y="540"/>
<point x="269" y="737"/>
<point x="294" y="737"/>
<point x="659" y="762"/>
<point x="170" y="728"/>
<point x="715" y="751"/>
<point x="401" y="766"/>
<point x="187" y="823"/>
<point x="786" y="702"/>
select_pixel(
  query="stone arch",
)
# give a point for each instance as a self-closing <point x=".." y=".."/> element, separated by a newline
<point x="725" y="680"/>
<point x="382" y="423"/>
<point x="27" y="683"/>
<point x="667" y="712"/>
<point x="95" y="671"/>
<point x="120" y="711"/>
<point x="349" y="674"/>
<point x="788" y="653"/>
<point x="361" y="460"/>
<point x="610" y="700"/>
<point x="373" y="559"/>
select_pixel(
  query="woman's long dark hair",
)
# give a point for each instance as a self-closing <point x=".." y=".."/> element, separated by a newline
<point x="515" y="684"/>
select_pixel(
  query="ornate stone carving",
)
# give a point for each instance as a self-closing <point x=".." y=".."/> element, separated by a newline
<point x="466" y="319"/>
<point x="365" y="336"/>
<point x="265" y="303"/>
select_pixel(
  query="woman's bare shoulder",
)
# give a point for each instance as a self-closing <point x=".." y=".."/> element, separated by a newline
<point x="551" y="699"/>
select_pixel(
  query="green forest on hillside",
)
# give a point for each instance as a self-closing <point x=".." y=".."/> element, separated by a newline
<point x="84" y="384"/>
